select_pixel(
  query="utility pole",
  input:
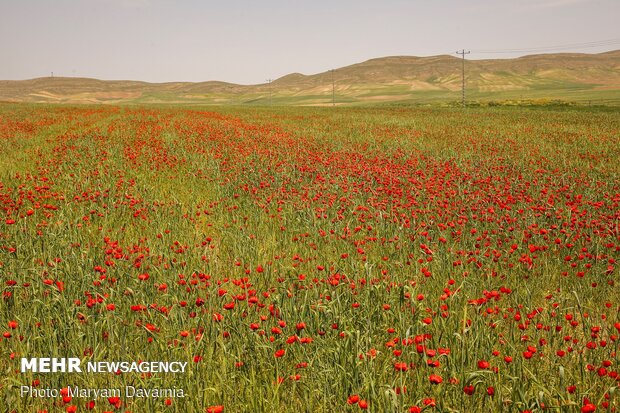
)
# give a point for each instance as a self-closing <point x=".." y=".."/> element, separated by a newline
<point x="269" y="80"/>
<point x="333" y="89"/>
<point x="463" y="53"/>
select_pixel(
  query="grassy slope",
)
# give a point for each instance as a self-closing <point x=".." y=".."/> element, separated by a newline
<point x="406" y="79"/>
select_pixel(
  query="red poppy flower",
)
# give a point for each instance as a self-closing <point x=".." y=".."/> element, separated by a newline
<point x="353" y="399"/>
<point x="588" y="408"/>
<point x="435" y="379"/>
<point x="401" y="366"/>
<point x="483" y="364"/>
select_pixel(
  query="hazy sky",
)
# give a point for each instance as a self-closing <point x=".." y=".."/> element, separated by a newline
<point x="249" y="41"/>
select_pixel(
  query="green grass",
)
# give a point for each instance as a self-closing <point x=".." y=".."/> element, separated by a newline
<point x="366" y="224"/>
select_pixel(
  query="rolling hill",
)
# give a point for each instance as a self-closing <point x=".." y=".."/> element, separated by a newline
<point x="571" y="77"/>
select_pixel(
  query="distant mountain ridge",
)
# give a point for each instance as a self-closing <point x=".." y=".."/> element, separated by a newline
<point x="564" y="76"/>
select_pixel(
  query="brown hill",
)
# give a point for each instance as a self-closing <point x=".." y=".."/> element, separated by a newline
<point x="570" y="76"/>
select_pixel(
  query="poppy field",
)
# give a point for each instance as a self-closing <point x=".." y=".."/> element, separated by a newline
<point x="312" y="259"/>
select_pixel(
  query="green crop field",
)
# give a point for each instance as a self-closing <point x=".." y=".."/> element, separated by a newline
<point x="387" y="259"/>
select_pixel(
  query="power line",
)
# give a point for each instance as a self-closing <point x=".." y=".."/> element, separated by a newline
<point x="463" y="53"/>
<point x="567" y="46"/>
<point x="333" y="89"/>
<point x="269" y="80"/>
